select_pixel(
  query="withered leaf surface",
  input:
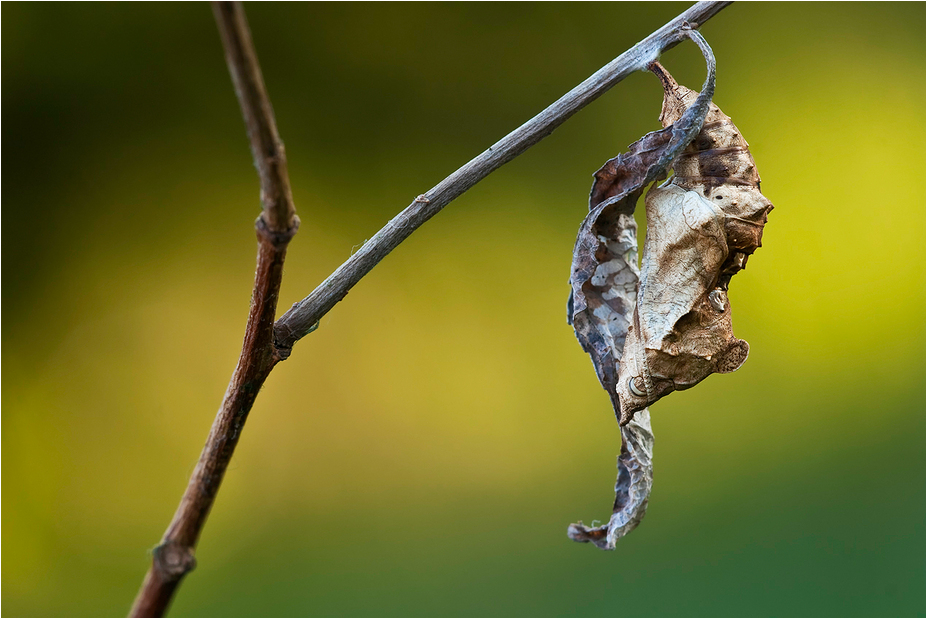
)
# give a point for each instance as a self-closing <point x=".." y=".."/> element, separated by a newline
<point x="701" y="227"/>
<point x="604" y="278"/>
<point x="604" y="281"/>
<point x="632" y="489"/>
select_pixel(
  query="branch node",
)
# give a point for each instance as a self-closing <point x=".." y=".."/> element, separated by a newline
<point x="173" y="560"/>
<point x="278" y="239"/>
<point x="284" y="338"/>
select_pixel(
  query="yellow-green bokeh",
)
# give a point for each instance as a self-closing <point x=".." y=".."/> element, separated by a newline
<point x="423" y="452"/>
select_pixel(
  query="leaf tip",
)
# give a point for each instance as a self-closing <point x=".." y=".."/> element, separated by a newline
<point x="578" y="532"/>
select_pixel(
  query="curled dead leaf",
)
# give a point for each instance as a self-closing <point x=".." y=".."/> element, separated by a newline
<point x="702" y="226"/>
<point x="605" y="284"/>
<point x="666" y="326"/>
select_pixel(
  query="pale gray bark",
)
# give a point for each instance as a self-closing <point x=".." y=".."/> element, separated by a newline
<point x="304" y="315"/>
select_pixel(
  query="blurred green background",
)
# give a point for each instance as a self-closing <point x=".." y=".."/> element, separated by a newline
<point x="423" y="452"/>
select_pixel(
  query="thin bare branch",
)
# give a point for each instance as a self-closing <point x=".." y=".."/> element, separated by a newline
<point x="300" y="319"/>
<point x="266" y="146"/>
<point x="174" y="557"/>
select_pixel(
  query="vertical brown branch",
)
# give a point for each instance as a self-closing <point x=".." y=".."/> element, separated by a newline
<point x="174" y="557"/>
<point x="266" y="146"/>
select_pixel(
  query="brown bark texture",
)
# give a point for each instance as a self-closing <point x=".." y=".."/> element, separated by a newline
<point x="174" y="556"/>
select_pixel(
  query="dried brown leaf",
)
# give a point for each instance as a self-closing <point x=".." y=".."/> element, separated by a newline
<point x="604" y="274"/>
<point x="668" y="326"/>
<point x="632" y="489"/>
<point x="605" y="282"/>
<point x="701" y="227"/>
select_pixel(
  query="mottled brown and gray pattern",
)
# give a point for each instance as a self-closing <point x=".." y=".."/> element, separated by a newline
<point x="632" y="489"/>
<point x="701" y="227"/>
<point x="605" y="288"/>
